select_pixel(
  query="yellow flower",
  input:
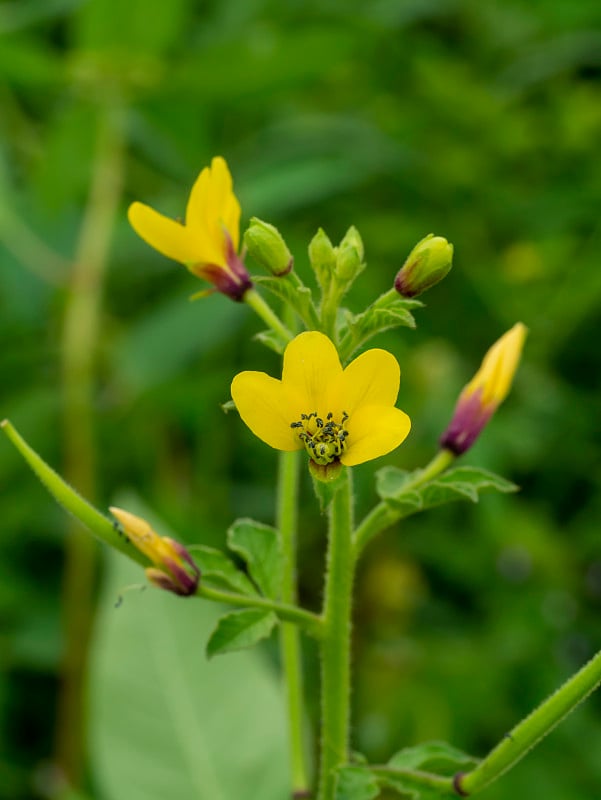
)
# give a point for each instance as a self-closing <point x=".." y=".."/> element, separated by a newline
<point x="174" y="569"/>
<point x="337" y="415"/>
<point x="486" y="391"/>
<point x="207" y="243"/>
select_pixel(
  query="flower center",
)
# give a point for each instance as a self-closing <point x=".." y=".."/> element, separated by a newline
<point x="325" y="441"/>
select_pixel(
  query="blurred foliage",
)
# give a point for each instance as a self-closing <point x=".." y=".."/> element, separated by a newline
<point x="477" y="121"/>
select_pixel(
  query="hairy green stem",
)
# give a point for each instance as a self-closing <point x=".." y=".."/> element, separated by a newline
<point x="531" y="730"/>
<point x="79" y="346"/>
<point x="311" y="623"/>
<point x="383" y="515"/>
<point x="336" y="642"/>
<point x="290" y="645"/>
<point x="260" y="306"/>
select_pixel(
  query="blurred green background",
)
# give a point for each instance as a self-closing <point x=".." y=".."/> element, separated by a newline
<point x="479" y="121"/>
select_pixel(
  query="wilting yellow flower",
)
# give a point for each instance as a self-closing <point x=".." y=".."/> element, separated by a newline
<point x="486" y="391"/>
<point x="207" y="243"/>
<point x="337" y="415"/>
<point x="174" y="569"/>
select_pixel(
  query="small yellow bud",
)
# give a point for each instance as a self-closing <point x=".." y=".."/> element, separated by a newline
<point x="427" y="264"/>
<point x="266" y="245"/>
<point x="486" y="391"/>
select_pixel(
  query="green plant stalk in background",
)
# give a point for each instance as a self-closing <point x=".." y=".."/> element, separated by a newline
<point x="336" y="643"/>
<point x="79" y="347"/>
<point x="290" y="645"/>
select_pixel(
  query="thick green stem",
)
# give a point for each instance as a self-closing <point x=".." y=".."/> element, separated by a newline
<point x="531" y="730"/>
<point x="336" y="642"/>
<point x="260" y="306"/>
<point x="383" y="515"/>
<point x="310" y="622"/>
<point x="290" y="646"/>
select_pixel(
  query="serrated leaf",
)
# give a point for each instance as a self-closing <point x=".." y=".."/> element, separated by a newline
<point x="292" y="291"/>
<point x="240" y="629"/>
<point x="461" y="483"/>
<point x="356" y="783"/>
<point x="259" y="546"/>
<point x="437" y="757"/>
<point x="389" y="311"/>
<point x="215" y="567"/>
<point x="271" y="340"/>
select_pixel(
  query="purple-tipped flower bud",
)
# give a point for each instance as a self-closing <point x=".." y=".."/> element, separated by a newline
<point x="427" y="264"/>
<point x="485" y="392"/>
<point x="174" y="568"/>
<point x="267" y="247"/>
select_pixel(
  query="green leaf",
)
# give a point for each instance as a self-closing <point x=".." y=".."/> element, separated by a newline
<point x="271" y="340"/>
<point x="164" y="721"/>
<point x="215" y="567"/>
<point x="461" y="483"/>
<point x="240" y="629"/>
<point x="437" y="757"/>
<point x="389" y="311"/>
<point x="259" y="546"/>
<point x="292" y="291"/>
<point x="356" y="783"/>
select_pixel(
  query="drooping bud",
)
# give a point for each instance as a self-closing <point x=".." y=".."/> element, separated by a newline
<point x="322" y="255"/>
<point x="427" y="264"/>
<point x="349" y="258"/>
<point x="485" y="392"/>
<point x="174" y="568"/>
<point x="266" y="245"/>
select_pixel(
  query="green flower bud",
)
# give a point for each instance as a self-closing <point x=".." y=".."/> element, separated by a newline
<point x="428" y="263"/>
<point x="322" y="255"/>
<point x="349" y="261"/>
<point x="267" y="247"/>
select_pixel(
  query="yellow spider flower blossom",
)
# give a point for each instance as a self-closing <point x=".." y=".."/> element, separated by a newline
<point x="207" y="243"/>
<point x="174" y="569"/>
<point x="338" y="415"/>
<point x="485" y="392"/>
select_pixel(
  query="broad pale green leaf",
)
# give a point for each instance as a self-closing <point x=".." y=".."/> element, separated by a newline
<point x="164" y="721"/>
<point x="437" y="757"/>
<point x="461" y="483"/>
<point x="215" y="567"/>
<point x="259" y="546"/>
<point x="389" y="311"/>
<point x="356" y="783"/>
<point x="240" y="629"/>
<point x="292" y="291"/>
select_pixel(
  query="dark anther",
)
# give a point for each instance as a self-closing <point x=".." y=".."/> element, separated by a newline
<point x="319" y="422"/>
<point x="330" y="415"/>
<point x="296" y="424"/>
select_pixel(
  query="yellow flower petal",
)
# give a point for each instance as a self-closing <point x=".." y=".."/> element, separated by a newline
<point x="213" y="208"/>
<point x="374" y="431"/>
<point x="268" y="407"/>
<point x="168" y="237"/>
<point x="311" y="366"/>
<point x="371" y="379"/>
<point x="499" y="366"/>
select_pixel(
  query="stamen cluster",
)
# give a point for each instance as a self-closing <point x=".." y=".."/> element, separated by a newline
<point x="324" y="441"/>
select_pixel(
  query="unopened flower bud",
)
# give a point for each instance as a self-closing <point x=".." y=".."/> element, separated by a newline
<point x="349" y="259"/>
<point x="174" y="568"/>
<point x="485" y="392"/>
<point x="267" y="247"/>
<point x="428" y="263"/>
<point x="322" y="255"/>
